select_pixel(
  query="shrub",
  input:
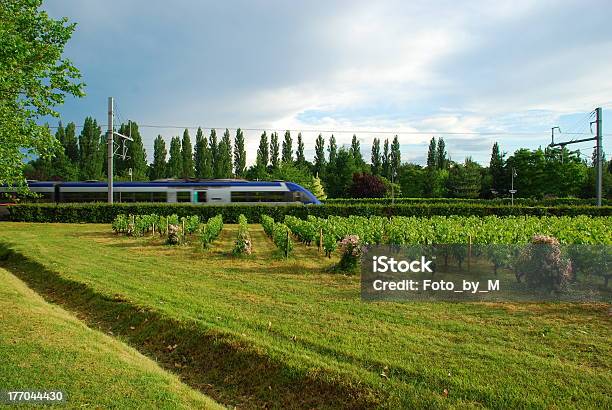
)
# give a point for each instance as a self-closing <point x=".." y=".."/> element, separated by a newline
<point x="173" y="235"/>
<point x="351" y="250"/>
<point x="367" y="186"/>
<point x="542" y="264"/>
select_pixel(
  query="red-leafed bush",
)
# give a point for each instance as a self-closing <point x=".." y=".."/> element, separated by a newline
<point x="367" y="186"/>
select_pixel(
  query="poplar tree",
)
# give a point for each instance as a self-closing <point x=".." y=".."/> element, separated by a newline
<point x="197" y="153"/>
<point x="214" y="152"/>
<point x="223" y="164"/>
<point x="376" y="160"/>
<point x="332" y="150"/>
<point x="89" y="145"/>
<point x="202" y="157"/>
<point x="138" y="155"/>
<point x="287" y="148"/>
<point x="239" y="155"/>
<point x="496" y="168"/>
<point x="175" y="163"/>
<point x="262" y="152"/>
<point x="62" y="166"/>
<point x="59" y="167"/>
<point x="72" y="143"/>
<point x="386" y="163"/>
<point x="432" y="154"/>
<point x="158" y="167"/>
<point x="319" y="158"/>
<point x="355" y="151"/>
<point x="187" y="156"/>
<point x="441" y="160"/>
<point x="274" y="154"/>
<point x="300" y="159"/>
<point x="60" y="135"/>
<point x="395" y="158"/>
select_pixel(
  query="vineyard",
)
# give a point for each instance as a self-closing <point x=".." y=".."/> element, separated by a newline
<point x="294" y="324"/>
<point x="582" y="237"/>
<point x="450" y="230"/>
<point x="375" y="230"/>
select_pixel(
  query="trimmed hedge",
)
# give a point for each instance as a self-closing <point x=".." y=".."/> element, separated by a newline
<point x="497" y="201"/>
<point x="105" y="213"/>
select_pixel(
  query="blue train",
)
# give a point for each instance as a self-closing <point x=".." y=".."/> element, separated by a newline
<point x="205" y="192"/>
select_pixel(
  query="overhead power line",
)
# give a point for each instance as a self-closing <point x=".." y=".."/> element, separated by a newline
<point x="356" y="131"/>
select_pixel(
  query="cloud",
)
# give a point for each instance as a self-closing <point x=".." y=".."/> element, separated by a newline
<point x="389" y="66"/>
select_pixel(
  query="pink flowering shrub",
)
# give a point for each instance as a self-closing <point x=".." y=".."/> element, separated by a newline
<point x="542" y="264"/>
<point x="351" y="250"/>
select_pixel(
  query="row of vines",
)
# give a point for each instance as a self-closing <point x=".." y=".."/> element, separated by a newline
<point x="279" y="233"/>
<point x="586" y="239"/>
<point x="450" y="230"/>
<point x="175" y="229"/>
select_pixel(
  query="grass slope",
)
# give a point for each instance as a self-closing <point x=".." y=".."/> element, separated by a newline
<point x="290" y="322"/>
<point x="43" y="347"/>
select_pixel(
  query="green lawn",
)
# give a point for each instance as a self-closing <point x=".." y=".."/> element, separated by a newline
<point x="262" y="330"/>
<point x="43" y="347"/>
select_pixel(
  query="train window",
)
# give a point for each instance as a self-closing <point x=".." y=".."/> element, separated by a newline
<point x="84" y="196"/>
<point x="200" y="196"/>
<point x="258" y="196"/>
<point x="142" y="196"/>
<point x="159" y="197"/>
<point x="126" y="197"/>
<point x="183" y="196"/>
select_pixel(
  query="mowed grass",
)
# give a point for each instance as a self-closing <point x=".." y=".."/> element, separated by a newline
<point x="313" y="323"/>
<point x="45" y="348"/>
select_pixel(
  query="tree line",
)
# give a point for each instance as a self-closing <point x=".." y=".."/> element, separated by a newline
<point x="335" y="171"/>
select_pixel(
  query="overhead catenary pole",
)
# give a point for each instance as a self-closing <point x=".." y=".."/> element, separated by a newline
<point x="110" y="134"/>
<point x="599" y="150"/>
<point x="110" y="150"/>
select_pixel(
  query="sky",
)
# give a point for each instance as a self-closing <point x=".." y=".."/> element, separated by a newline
<point x="472" y="72"/>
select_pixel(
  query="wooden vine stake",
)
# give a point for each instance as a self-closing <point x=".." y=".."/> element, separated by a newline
<point x="469" y="252"/>
<point x="287" y="245"/>
<point x="320" y="240"/>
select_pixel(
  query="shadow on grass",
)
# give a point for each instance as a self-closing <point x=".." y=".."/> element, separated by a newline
<point x="229" y="370"/>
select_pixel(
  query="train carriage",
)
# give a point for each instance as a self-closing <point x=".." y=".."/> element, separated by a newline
<point x="203" y="192"/>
